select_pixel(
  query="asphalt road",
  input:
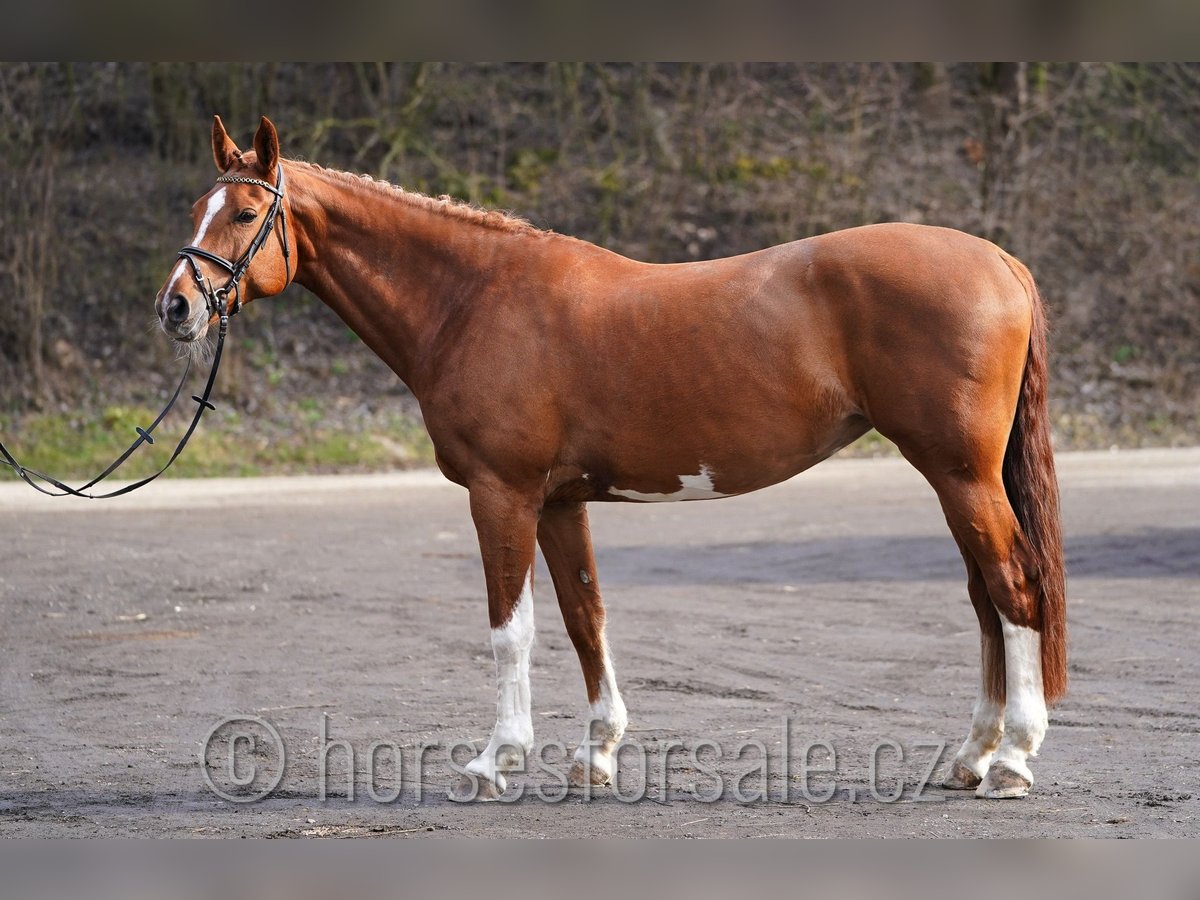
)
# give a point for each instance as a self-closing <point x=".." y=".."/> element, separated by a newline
<point x="828" y="613"/>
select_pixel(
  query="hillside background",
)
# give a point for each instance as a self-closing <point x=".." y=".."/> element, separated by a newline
<point x="1087" y="172"/>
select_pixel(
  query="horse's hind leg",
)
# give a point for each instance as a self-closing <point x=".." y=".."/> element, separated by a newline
<point x="987" y="722"/>
<point x="567" y="545"/>
<point x="982" y="519"/>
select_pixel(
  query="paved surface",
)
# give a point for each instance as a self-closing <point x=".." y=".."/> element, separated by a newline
<point x="835" y="602"/>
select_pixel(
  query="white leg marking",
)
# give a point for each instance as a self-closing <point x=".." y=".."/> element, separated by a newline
<point x="1025" y="717"/>
<point x="606" y="725"/>
<point x="987" y="728"/>
<point x="691" y="487"/>
<point x="512" y="737"/>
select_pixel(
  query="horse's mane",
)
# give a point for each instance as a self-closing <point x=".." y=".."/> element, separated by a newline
<point x="445" y="204"/>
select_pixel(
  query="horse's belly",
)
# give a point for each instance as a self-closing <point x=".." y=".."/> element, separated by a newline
<point x="709" y="467"/>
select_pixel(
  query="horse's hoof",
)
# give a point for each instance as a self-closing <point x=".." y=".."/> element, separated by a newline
<point x="578" y="776"/>
<point x="1002" y="783"/>
<point x="475" y="788"/>
<point x="960" y="778"/>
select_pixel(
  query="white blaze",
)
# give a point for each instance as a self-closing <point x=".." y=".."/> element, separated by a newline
<point x="215" y="203"/>
<point x="175" y="276"/>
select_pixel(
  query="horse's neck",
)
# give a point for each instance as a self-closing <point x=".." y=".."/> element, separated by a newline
<point x="391" y="268"/>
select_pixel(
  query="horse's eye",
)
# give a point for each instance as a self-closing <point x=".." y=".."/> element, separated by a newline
<point x="246" y="216"/>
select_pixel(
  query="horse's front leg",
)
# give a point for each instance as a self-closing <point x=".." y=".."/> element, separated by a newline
<point x="567" y="545"/>
<point x="506" y="521"/>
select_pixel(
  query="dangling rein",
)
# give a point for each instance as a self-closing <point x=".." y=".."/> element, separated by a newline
<point x="217" y="300"/>
<point x="145" y="436"/>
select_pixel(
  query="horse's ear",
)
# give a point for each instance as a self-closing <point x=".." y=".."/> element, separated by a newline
<point x="266" y="145"/>
<point x="225" y="151"/>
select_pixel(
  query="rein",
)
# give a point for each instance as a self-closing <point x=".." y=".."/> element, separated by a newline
<point x="218" y="305"/>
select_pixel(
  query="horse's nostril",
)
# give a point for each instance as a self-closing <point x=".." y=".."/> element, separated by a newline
<point x="177" y="310"/>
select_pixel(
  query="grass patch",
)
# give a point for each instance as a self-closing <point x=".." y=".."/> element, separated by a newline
<point x="68" y="447"/>
<point x="871" y="444"/>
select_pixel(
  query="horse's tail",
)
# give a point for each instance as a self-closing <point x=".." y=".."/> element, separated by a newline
<point x="1032" y="488"/>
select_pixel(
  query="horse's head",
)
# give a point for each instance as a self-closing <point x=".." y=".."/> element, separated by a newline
<point x="232" y="257"/>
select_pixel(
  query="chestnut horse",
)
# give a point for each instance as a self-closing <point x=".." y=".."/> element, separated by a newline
<point x="552" y="373"/>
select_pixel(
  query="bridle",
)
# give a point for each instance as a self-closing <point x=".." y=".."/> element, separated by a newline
<point x="217" y="300"/>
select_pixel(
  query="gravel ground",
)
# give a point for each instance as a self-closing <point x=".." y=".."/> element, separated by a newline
<point x="835" y="603"/>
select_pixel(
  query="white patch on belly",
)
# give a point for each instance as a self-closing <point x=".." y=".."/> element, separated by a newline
<point x="691" y="487"/>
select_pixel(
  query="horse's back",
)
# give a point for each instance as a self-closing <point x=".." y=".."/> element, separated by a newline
<point x="874" y="272"/>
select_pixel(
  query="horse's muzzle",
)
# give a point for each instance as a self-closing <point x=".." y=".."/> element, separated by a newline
<point x="180" y="320"/>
